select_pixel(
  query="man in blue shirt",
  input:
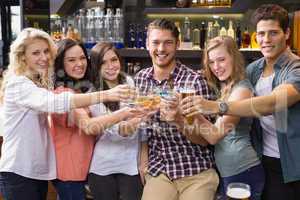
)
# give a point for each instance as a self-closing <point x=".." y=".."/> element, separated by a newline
<point x="276" y="78"/>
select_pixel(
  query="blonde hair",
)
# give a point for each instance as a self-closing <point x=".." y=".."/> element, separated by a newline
<point x="17" y="65"/>
<point x="238" y="68"/>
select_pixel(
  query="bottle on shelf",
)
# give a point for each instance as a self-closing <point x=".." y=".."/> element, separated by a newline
<point x="194" y="3"/>
<point x="223" y="31"/>
<point x="209" y="34"/>
<point x="196" y="38"/>
<point x="202" y="35"/>
<point x="187" y="30"/>
<point x="187" y="42"/>
<point x="90" y="28"/>
<point x="99" y="25"/>
<point x="238" y="35"/>
<point x="203" y="2"/>
<point x="139" y="36"/>
<point x="71" y="33"/>
<point x="246" y="39"/>
<point x="81" y="24"/>
<point x="177" y="24"/>
<point x="118" y="28"/>
<point x="131" y="36"/>
<point x="216" y="29"/>
<point x="230" y="31"/>
<point x="254" y="44"/>
<point x="109" y="22"/>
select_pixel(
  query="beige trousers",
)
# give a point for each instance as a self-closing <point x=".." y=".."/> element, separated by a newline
<point x="202" y="186"/>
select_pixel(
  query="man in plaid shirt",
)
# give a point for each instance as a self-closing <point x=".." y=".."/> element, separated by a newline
<point x="178" y="166"/>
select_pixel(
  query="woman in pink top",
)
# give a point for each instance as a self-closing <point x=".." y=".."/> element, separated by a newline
<point x="73" y="132"/>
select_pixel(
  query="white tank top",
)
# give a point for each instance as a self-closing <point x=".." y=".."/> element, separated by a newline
<point x="270" y="143"/>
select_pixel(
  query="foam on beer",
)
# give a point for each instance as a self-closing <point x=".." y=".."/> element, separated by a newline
<point x="238" y="193"/>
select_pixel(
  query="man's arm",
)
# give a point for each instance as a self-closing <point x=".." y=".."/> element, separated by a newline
<point x="282" y="97"/>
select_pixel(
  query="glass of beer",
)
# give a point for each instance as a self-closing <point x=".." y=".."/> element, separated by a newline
<point x="238" y="191"/>
<point x="188" y="90"/>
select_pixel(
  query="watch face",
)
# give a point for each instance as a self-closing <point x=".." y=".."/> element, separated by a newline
<point x="223" y="107"/>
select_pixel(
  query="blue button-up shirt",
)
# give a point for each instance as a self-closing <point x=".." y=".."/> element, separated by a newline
<point x="287" y="71"/>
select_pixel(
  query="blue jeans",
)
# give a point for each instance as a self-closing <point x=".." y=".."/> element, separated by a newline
<point x="16" y="187"/>
<point x="70" y="190"/>
<point x="253" y="176"/>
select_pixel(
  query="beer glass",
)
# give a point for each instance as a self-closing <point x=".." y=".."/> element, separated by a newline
<point x="167" y="94"/>
<point x="188" y="90"/>
<point x="238" y="191"/>
<point x="148" y="100"/>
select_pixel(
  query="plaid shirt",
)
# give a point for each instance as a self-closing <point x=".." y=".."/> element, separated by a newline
<point x="170" y="152"/>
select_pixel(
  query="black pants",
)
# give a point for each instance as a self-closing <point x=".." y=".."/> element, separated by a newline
<point x="16" y="187"/>
<point x="275" y="188"/>
<point x="115" y="187"/>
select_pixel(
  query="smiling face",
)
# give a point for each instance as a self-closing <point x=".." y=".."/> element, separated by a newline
<point x="162" y="46"/>
<point x="111" y="66"/>
<point x="37" y="56"/>
<point x="220" y="63"/>
<point x="271" y="39"/>
<point x="75" y="62"/>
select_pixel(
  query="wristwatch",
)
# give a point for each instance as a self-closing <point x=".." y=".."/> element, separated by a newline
<point x="223" y="107"/>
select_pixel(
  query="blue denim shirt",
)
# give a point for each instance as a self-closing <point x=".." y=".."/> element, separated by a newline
<point x="287" y="70"/>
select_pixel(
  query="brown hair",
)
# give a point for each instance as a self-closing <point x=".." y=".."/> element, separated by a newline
<point x="238" y="71"/>
<point x="96" y="58"/>
<point x="271" y="12"/>
<point x="164" y="24"/>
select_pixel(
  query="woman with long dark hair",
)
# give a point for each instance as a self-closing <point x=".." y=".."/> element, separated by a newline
<point x="114" y="171"/>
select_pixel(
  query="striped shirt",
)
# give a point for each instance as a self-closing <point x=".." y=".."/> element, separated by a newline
<point x="170" y="152"/>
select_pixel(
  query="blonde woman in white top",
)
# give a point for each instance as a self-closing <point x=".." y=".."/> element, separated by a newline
<point x="28" y="158"/>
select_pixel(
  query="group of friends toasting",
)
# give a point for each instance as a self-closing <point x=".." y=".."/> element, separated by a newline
<point x="77" y="119"/>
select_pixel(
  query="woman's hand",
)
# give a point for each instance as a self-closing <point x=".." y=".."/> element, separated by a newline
<point x="194" y="105"/>
<point x="118" y="93"/>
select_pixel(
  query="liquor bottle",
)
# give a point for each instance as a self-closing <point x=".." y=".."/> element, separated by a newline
<point x="81" y="24"/>
<point x="202" y="35"/>
<point x="109" y="21"/>
<point x="90" y="27"/>
<point x="139" y="36"/>
<point x="254" y="44"/>
<point x="99" y="25"/>
<point x="246" y="38"/>
<point x="177" y="24"/>
<point x="187" y="30"/>
<point x="216" y="29"/>
<point x="196" y="38"/>
<point x="223" y="31"/>
<point x="230" y="31"/>
<point x="238" y="35"/>
<point x="209" y="34"/>
<point x="203" y="3"/>
<point x="118" y="28"/>
<point x="194" y="3"/>
<point x="71" y="33"/>
<point x="131" y="36"/>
